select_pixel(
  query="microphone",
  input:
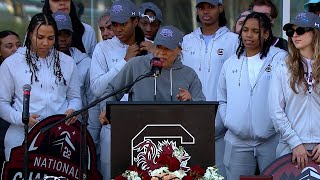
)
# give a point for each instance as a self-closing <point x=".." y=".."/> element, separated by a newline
<point x="156" y="67"/>
<point x="26" y="102"/>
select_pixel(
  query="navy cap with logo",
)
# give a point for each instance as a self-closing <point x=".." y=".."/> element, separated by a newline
<point x="122" y="11"/>
<point x="304" y="19"/>
<point x="63" y="21"/>
<point x="149" y="5"/>
<point x="213" y="2"/>
<point x="169" y="37"/>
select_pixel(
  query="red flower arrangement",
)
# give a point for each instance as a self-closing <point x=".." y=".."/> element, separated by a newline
<point x="195" y="173"/>
<point x="143" y="174"/>
<point x="168" y="162"/>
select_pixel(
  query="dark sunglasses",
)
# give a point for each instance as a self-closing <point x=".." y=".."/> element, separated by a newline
<point x="314" y="7"/>
<point x="298" y="30"/>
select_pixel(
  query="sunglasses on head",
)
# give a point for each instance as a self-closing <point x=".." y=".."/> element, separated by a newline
<point x="150" y="18"/>
<point x="298" y="30"/>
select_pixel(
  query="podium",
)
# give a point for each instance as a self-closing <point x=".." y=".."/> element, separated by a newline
<point x="188" y="124"/>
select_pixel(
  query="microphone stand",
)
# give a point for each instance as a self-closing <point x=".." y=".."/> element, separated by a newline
<point x="26" y="152"/>
<point x="92" y="104"/>
<point x="25" y="121"/>
<point x="155" y="89"/>
<point x="83" y="147"/>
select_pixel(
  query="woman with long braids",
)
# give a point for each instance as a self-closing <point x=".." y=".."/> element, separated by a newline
<point x="295" y="93"/>
<point x="243" y="93"/>
<point x="52" y="75"/>
<point x="84" y="36"/>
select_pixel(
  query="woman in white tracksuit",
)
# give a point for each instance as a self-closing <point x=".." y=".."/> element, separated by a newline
<point x="52" y="75"/>
<point x="242" y="94"/>
<point x="109" y="57"/>
<point x="205" y="50"/>
<point x="294" y="97"/>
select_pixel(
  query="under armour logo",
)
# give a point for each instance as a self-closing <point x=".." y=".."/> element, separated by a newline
<point x="133" y="13"/>
<point x="117" y="8"/>
<point x="234" y="71"/>
<point x="166" y="33"/>
<point x="317" y="25"/>
<point x="114" y="60"/>
<point x="192" y="53"/>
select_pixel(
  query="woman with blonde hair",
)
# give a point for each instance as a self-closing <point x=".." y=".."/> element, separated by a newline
<point x="295" y="94"/>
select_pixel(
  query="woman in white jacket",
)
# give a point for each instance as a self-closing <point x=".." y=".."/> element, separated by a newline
<point x="294" y="97"/>
<point x="205" y="50"/>
<point x="52" y="75"/>
<point x="242" y="94"/>
<point x="109" y="57"/>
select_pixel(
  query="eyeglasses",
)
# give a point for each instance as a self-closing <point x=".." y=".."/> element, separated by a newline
<point x="298" y="30"/>
<point x="150" y="18"/>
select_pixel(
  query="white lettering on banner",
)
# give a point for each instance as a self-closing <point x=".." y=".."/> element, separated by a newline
<point x="52" y="164"/>
<point x="18" y="175"/>
<point x="66" y="153"/>
<point x="32" y="175"/>
<point x="44" y="164"/>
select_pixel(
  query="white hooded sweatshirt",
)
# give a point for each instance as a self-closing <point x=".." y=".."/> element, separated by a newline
<point x="295" y="116"/>
<point x="48" y="96"/>
<point x="244" y="107"/>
